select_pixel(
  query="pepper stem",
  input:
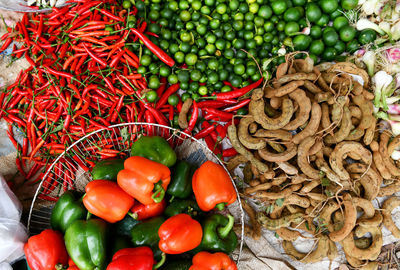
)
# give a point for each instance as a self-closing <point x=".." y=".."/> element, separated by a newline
<point x="220" y="206"/>
<point x="88" y="216"/>
<point x="161" y="262"/>
<point x="159" y="193"/>
<point x="59" y="266"/>
<point x="133" y="215"/>
<point x="224" y="231"/>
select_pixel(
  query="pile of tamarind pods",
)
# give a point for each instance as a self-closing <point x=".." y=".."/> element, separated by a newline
<point x="314" y="154"/>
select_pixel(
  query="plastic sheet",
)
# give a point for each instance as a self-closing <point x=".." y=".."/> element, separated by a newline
<point x="22" y="6"/>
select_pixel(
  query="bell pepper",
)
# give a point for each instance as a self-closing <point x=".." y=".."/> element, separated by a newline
<point x="218" y="234"/>
<point x="208" y="261"/>
<point x="154" y="148"/>
<point x="124" y="227"/>
<point x="213" y="187"/>
<point x="145" y="180"/>
<point x="179" y="234"/>
<point x="177" y="264"/>
<point x="181" y="180"/>
<point x="140" y="258"/>
<point x="107" y="169"/>
<point x="146" y="234"/>
<point x="118" y="243"/>
<point x="86" y="243"/>
<point x="66" y="211"/>
<point x="147" y="211"/>
<point x="107" y="200"/>
<point x="72" y="265"/>
<point x="178" y="206"/>
<point x="46" y="251"/>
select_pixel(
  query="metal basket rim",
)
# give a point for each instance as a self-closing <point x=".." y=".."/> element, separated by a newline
<point x="174" y="130"/>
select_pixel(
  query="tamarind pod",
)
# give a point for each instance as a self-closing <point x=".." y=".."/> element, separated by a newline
<point x="274" y="224"/>
<point x="298" y="179"/>
<point x="332" y="250"/>
<point x="355" y="112"/>
<point x="269" y="92"/>
<point x="315" y="256"/>
<point x="288" y="88"/>
<point x="388" y="207"/>
<point x="302" y="158"/>
<point x="365" y="205"/>
<point x="317" y="147"/>
<point x="350" y="217"/>
<point x="256" y="227"/>
<point x="312" y="125"/>
<point x="254" y="182"/>
<point x="275" y="146"/>
<point x="321" y="82"/>
<point x="370" y="266"/>
<point x="324" y="167"/>
<point x="289" y="153"/>
<point x="182" y="118"/>
<point x="262" y="167"/>
<point x="277" y="211"/>
<point x="256" y="108"/>
<point x="388" y="161"/>
<point x="245" y="138"/>
<point x="277" y="195"/>
<point x="268" y="175"/>
<point x="304" y="65"/>
<point x="310" y="186"/>
<point x="282" y="69"/>
<point x="365" y="171"/>
<point x="287" y="167"/>
<point x="294" y="199"/>
<point x="362" y="242"/>
<point x="334" y="78"/>
<point x="368" y="95"/>
<point x="300" y="97"/>
<point x="312" y="87"/>
<point x="323" y="97"/>
<point x="295" y="77"/>
<point x="235" y="161"/>
<point x="376" y="220"/>
<point x="253" y="128"/>
<point x="317" y="197"/>
<point x="347" y="67"/>
<point x="355" y="262"/>
<point x="355" y="121"/>
<point x="264" y="186"/>
<point x="377" y="241"/>
<point x="276" y="102"/>
<point x="337" y="109"/>
<point x="394" y="144"/>
<point x="357" y="88"/>
<point x="389" y="190"/>
<point x="294" y="209"/>
<point x="278" y="134"/>
<point x="287" y="234"/>
<point x="370" y="184"/>
<point x="307" y="226"/>
<point x="355" y="134"/>
<point x="325" y="119"/>
<point x="367" y="116"/>
<point x="344" y="129"/>
<point x="326" y="213"/>
<point x="342" y="149"/>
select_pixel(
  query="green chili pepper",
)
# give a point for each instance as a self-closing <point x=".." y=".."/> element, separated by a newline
<point x="178" y="206"/>
<point x="181" y="180"/>
<point x="154" y="148"/>
<point x="107" y="169"/>
<point x="67" y="210"/>
<point x="177" y="264"/>
<point x="86" y="244"/>
<point x="124" y="227"/>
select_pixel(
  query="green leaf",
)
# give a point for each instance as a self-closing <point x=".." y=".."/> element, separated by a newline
<point x="279" y="202"/>
<point x="325" y="182"/>
<point x="125" y="134"/>
<point x="328" y="193"/>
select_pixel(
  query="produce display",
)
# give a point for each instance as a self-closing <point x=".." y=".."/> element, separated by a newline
<point x="315" y="180"/>
<point x="298" y="97"/>
<point x="92" y="230"/>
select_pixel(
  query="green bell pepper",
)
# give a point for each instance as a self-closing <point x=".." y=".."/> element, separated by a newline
<point x="146" y="234"/>
<point x="67" y="210"/>
<point x="86" y="243"/>
<point x="154" y="148"/>
<point x="107" y="169"/>
<point x="178" y="206"/>
<point x="218" y="234"/>
<point x="119" y="242"/>
<point x="181" y="180"/>
<point x="124" y="227"/>
<point x="177" y="264"/>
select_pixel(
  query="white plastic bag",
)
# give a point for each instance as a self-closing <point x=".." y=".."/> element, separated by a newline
<point x="13" y="234"/>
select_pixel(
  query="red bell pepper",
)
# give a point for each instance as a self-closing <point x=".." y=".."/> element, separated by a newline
<point x="144" y="179"/>
<point x="107" y="200"/>
<point x="71" y="265"/>
<point x="147" y="211"/>
<point x="140" y="258"/>
<point x="46" y="251"/>
<point x="179" y="234"/>
<point x="208" y="261"/>
<point x="213" y="187"/>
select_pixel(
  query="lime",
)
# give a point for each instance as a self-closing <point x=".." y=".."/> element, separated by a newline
<point x="349" y="4"/>
<point x="329" y="6"/>
<point x="292" y="15"/>
<point x="329" y="54"/>
<point x="323" y="20"/>
<point x="313" y="12"/>
<point x="313" y="57"/>
<point x="291" y="28"/>
<point x="315" y="32"/>
<point x="330" y="37"/>
<point x="279" y="7"/>
<point x="336" y="14"/>
<point x="340" y="47"/>
<point x="317" y="47"/>
<point x="301" y="42"/>
<point x="339" y="22"/>
<point x="367" y="36"/>
<point x="299" y="2"/>
<point x="352" y="46"/>
<point x="347" y="33"/>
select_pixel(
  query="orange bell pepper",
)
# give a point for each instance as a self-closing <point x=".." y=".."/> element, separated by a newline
<point x="208" y="261"/>
<point x="147" y="211"/>
<point x="213" y="187"/>
<point x="179" y="234"/>
<point x="144" y="179"/>
<point x="107" y="200"/>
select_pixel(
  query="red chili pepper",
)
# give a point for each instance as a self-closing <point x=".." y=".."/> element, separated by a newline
<point x="154" y="48"/>
<point x="160" y="118"/>
<point x="205" y="132"/>
<point x="215" y="103"/>
<point x="193" y="119"/>
<point x="224" y="116"/>
<point x="230" y="152"/>
<point x="241" y="104"/>
<point x="239" y="92"/>
<point x="5" y="44"/>
<point x="172" y="89"/>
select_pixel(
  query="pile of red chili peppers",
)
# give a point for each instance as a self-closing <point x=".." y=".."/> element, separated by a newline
<point x="82" y="77"/>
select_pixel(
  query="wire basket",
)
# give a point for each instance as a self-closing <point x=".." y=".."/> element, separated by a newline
<point x="21" y="6"/>
<point x="70" y="170"/>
